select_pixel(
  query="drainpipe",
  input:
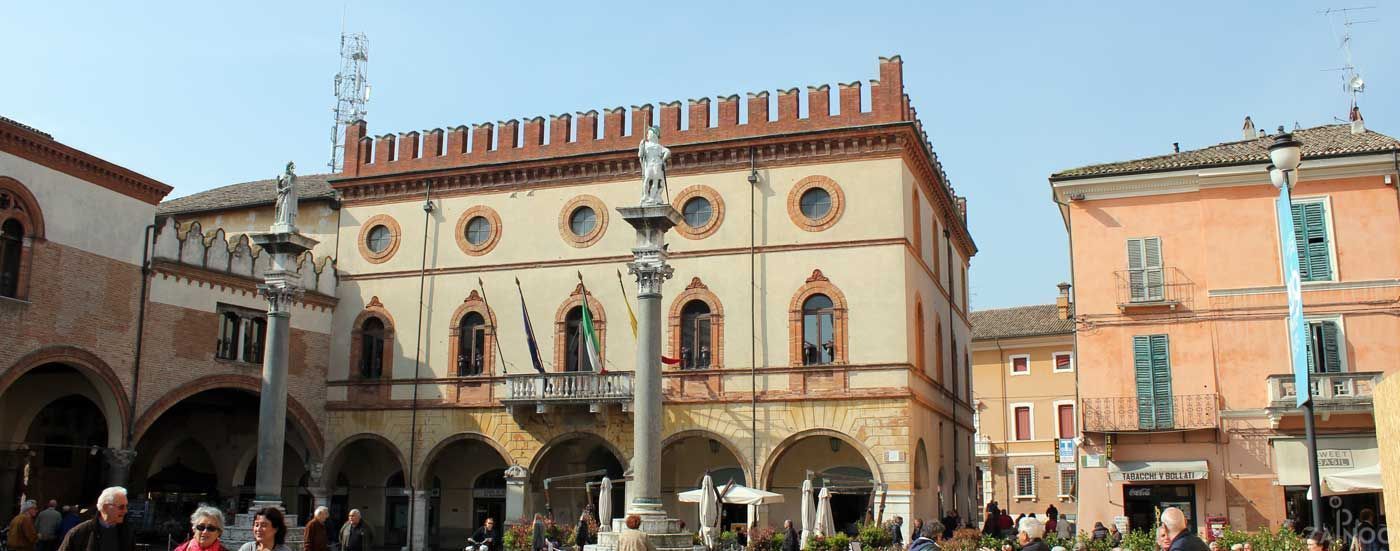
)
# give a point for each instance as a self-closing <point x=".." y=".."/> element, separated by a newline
<point x="753" y="318"/>
<point x="127" y="444"/>
<point x="409" y="480"/>
<point x="1006" y="438"/>
<point x="1074" y="350"/>
<point x="953" y="341"/>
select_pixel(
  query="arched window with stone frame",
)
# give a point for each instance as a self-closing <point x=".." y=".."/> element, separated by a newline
<point x="817" y="323"/>
<point x="372" y="343"/>
<point x="696" y="335"/>
<point x="569" y="350"/>
<point x="21" y="225"/>
<point x="473" y="341"/>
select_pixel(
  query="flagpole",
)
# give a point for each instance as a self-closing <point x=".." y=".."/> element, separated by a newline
<point x="586" y="331"/>
<point x="495" y="333"/>
<point x="530" y="343"/>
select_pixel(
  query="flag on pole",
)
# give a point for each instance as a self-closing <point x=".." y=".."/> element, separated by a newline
<point x="482" y="285"/>
<point x="633" y="318"/>
<point x="529" y="331"/>
<point x="590" y="337"/>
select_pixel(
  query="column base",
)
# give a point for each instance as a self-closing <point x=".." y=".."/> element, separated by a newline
<point x="241" y="531"/>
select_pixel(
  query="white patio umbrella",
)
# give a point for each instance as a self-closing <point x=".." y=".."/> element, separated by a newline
<point x="605" y="505"/>
<point x="737" y="495"/>
<point x="807" y="513"/>
<point x="825" y="525"/>
<point x="709" y="512"/>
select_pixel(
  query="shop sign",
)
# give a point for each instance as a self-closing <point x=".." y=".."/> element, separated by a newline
<point x="1140" y="491"/>
<point x="1066" y="450"/>
<point x="1161" y="476"/>
<point x="489" y="493"/>
<point x="1334" y="459"/>
<point x="1093" y="460"/>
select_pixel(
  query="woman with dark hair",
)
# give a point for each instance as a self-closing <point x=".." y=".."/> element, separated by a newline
<point x="269" y="531"/>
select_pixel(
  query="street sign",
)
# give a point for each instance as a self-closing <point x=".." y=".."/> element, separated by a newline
<point x="1066" y="450"/>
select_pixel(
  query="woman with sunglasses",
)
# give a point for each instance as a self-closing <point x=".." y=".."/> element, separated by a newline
<point x="208" y="524"/>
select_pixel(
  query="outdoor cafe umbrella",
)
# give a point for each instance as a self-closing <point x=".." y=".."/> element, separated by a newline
<point x="736" y="495"/>
<point x="605" y="505"/>
<point x="826" y="527"/>
<point x="709" y="511"/>
<point x="1354" y="481"/>
<point x="807" y="514"/>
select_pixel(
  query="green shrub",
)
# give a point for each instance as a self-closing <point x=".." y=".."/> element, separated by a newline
<point x="873" y="536"/>
<point x="727" y="539"/>
<point x="838" y="542"/>
<point x="1140" y="540"/>
<point x="775" y="542"/>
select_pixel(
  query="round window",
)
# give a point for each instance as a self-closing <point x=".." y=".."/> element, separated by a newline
<point x="697" y="212"/>
<point x="379" y="239"/>
<point x="815" y="203"/>
<point x="478" y="230"/>
<point x="582" y="221"/>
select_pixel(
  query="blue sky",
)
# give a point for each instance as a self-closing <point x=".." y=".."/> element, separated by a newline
<point x="202" y="94"/>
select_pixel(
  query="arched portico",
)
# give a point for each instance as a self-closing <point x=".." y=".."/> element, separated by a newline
<point x="365" y="471"/>
<point x="686" y="457"/>
<point x="572" y="454"/>
<point x="464" y="477"/>
<point x="831" y="459"/>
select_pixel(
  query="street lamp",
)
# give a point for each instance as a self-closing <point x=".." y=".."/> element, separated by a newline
<point x="1286" y="153"/>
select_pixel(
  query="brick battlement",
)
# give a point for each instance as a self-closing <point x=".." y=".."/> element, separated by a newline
<point x="581" y="133"/>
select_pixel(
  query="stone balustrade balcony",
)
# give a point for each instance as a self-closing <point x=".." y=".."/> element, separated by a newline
<point x="1332" y="393"/>
<point x="542" y="390"/>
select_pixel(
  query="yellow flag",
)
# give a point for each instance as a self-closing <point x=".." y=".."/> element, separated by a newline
<point x="630" y="316"/>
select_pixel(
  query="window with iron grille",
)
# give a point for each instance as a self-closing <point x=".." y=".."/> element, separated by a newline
<point x="1068" y="478"/>
<point x="1025" y="481"/>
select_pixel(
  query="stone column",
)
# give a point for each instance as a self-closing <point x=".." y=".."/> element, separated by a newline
<point x="517" y="490"/>
<point x="118" y="465"/>
<point x="419" y="520"/>
<point x="649" y="266"/>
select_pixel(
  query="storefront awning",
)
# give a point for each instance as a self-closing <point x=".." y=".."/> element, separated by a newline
<point x="1364" y="480"/>
<point x="1156" y="471"/>
<point x="1335" y="455"/>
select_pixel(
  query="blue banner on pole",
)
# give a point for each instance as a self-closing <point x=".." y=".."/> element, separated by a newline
<point x="1297" y="326"/>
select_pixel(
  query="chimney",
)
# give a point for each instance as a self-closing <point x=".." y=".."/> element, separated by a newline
<point x="1063" y="307"/>
<point x="1358" y="125"/>
<point x="1248" y="130"/>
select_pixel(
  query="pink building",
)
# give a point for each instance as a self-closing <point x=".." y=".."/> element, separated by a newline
<point x="1186" y="396"/>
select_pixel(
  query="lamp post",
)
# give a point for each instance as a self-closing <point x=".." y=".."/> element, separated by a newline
<point x="1286" y="154"/>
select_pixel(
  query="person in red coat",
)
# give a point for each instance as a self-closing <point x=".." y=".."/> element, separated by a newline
<point x="207" y="523"/>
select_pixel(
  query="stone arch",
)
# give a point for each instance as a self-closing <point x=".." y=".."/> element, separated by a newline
<point x="335" y="454"/>
<point x="697" y="290"/>
<point x="374" y="309"/>
<point x="114" y="402"/>
<point x="30" y="213"/>
<point x="245" y="462"/>
<point x="296" y="412"/>
<point x="564" y="437"/>
<point x="920" y="365"/>
<point x="782" y="447"/>
<point x="818" y="283"/>
<point x="600" y="325"/>
<point x="745" y="462"/>
<point x="920" y="466"/>
<point x="18" y="206"/>
<point x="421" y="473"/>
<point x="473" y="303"/>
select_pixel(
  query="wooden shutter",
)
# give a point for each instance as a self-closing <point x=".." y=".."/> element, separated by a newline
<point x="1310" y="234"/>
<point x="1066" y="412"/>
<point x="1145" y="269"/>
<point x="1152" y="368"/>
<point x="1023" y="423"/>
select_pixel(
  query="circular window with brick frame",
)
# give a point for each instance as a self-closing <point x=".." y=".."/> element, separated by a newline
<point x="478" y="230"/>
<point x="816" y="203"/>
<point x="379" y="238"/>
<point x="702" y="209"/>
<point x="583" y="220"/>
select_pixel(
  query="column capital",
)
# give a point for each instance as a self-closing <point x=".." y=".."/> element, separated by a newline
<point x="119" y="458"/>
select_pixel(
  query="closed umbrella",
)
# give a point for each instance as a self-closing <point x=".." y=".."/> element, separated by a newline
<point x="709" y="512"/>
<point x="825" y="525"/>
<point x="807" y="513"/>
<point x="605" y="505"/>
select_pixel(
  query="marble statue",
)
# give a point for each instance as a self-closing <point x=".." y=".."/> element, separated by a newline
<point x="286" y="217"/>
<point x="653" y="156"/>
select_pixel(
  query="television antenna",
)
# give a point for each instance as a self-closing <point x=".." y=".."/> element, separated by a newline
<point x="1352" y="83"/>
<point x="351" y="91"/>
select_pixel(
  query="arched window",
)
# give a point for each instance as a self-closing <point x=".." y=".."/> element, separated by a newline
<point x="918" y="362"/>
<point x="696" y="347"/>
<point x="937" y="352"/>
<point x="11" y="245"/>
<point x="818" y="330"/>
<point x="471" y="347"/>
<point x="575" y="352"/>
<point x="372" y="349"/>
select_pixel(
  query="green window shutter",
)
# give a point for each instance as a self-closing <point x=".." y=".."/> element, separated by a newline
<point x="1310" y="232"/>
<point x="1312" y="348"/>
<point x="1152" y="369"/>
<point x="1331" y="347"/>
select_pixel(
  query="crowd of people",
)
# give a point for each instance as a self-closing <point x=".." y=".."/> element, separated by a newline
<point x="36" y="530"/>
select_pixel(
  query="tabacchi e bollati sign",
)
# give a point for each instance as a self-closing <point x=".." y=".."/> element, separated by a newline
<point x="1161" y="476"/>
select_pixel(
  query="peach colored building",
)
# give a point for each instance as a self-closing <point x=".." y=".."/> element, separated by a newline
<point x="1186" y="394"/>
<point x="1023" y="381"/>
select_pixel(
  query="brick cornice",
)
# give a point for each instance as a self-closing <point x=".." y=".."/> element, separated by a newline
<point x="247" y="285"/>
<point x="39" y="148"/>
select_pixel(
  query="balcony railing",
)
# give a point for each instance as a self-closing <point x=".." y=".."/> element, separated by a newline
<point x="568" y="388"/>
<point x="982" y="447"/>
<point x="1333" y="391"/>
<point x="1121" y="414"/>
<point x="1152" y="287"/>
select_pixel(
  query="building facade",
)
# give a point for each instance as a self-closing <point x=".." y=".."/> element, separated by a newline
<point x="818" y="315"/>
<point x="1186" y="388"/>
<point x="1023" y="375"/>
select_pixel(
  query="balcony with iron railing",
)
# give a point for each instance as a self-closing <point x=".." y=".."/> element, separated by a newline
<point x="1332" y="393"/>
<point x="541" y="390"/>
<point x="982" y="447"/>
<point x="1152" y="288"/>
<point x="1131" y="414"/>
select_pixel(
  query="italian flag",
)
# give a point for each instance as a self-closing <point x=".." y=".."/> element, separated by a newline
<point x="590" y="337"/>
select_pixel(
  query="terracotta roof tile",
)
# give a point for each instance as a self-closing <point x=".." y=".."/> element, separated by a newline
<point x="1019" y="321"/>
<point x="310" y="187"/>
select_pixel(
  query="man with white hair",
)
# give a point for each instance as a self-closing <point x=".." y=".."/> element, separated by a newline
<point x="1174" y="522"/>
<point x="106" y="532"/>
<point x="316" y="538"/>
<point x="1031" y="535"/>
<point x="22" y="535"/>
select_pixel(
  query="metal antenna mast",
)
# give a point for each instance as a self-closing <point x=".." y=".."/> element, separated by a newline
<point x="351" y="92"/>
<point x="1352" y="83"/>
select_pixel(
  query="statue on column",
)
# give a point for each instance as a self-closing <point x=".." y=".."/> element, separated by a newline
<point x="286" y="212"/>
<point x="653" y="156"/>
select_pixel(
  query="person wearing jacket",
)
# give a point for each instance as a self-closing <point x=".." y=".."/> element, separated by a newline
<point x="1031" y="535"/>
<point x="106" y="532"/>
<point x="23" y="536"/>
<point x="356" y="535"/>
<point x="207" y="523"/>
<point x="70" y="519"/>
<point x="314" y="537"/>
<point x="932" y="529"/>
<point x="792" y="539"/>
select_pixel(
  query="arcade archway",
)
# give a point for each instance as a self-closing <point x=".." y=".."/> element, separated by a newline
<point x="466" y="484"/>
<point x="365" y="472"/>
<point x="573" y="454"/>
<point x="830" y="460"/>
<point x="685" y="458"/>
